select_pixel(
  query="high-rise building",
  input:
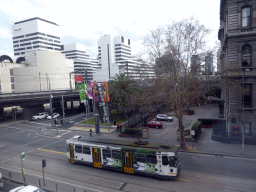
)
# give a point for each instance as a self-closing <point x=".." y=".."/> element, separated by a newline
<point x="209" y="64"/>
<point x="34" y="34"/>
<point x="83" y="64"/>
<point x="112" y="51"/>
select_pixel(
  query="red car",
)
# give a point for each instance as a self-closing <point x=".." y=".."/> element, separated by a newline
<point x="154" y="124"/>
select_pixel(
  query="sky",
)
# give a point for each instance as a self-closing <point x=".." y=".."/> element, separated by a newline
<point x="85" y="21"/>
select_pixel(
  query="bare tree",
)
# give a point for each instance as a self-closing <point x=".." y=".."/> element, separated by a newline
<point x="171" y="48"/>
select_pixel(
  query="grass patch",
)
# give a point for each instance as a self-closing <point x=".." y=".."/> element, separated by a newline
<point x="119" y="120"/>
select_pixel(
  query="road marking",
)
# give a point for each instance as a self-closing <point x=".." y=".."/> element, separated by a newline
<point x="38" y="123"/>
<point x="47" y="150"/>
<point x="63" y="134"/>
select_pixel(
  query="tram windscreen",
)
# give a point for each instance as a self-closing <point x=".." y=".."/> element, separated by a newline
<point x="173" y="161"/>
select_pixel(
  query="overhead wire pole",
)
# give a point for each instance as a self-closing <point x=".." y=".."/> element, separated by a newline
<point x="243" y="117"/>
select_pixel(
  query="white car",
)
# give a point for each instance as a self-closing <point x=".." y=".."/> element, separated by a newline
<point x="163" y="117"/>
<point x="28" y="188"/>
<point x="39" y="116"/>
<point x="54" y="115"/>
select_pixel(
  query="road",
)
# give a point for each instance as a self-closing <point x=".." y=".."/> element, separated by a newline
<point x="199" y="171"/>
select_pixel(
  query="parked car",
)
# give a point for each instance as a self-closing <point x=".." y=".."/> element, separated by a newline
<point x="154" y="124"/>
<point x="39" y="116"/>
<point x="163" y="117"/>
<point x="54" y="115"/>
<point x="46" y="114"/>
<point x="28" y="188"/>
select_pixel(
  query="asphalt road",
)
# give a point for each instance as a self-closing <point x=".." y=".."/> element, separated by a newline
<point x="39" y="141"/>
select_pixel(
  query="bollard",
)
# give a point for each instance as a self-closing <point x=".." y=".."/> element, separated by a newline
<point x="84" y="190"/>
<point x="39" y="183"/>
<point x="10" y="175"/>
<point x="74" y="189"/>
<point x="56" y="187"/>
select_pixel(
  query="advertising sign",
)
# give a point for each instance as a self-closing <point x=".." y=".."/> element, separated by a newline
<point x="82" y="89"/>
<point x="105" y="92"/>
<point x="78" y="79"/>
<point x="95" y="92"/>
<point x="89" y="90"/>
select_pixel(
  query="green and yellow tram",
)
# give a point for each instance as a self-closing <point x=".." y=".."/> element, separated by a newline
<point x="157" y="160"/>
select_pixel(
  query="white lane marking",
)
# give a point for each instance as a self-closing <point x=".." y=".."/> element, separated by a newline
<point x="54" y="180"/>
<point x="63" y="134"/>
<point x="38" y="123"/>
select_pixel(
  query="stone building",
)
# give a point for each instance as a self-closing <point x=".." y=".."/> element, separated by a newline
<point x="237" y="35"/>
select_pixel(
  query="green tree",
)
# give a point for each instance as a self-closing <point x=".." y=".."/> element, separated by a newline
<point x="121" y="88"/>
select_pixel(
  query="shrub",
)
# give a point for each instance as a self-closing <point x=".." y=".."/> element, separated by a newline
<point x="189" y="112"/>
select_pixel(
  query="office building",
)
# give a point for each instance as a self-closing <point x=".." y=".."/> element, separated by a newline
<point x="34" y="34"/>
<point x="83" y="64"/>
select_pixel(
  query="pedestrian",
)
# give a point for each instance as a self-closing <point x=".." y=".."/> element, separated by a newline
<point x="117" y="127"/>
<point x="90" y="132"/>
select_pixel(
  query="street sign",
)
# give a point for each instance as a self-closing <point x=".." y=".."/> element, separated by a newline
<point x="23" y="156"/>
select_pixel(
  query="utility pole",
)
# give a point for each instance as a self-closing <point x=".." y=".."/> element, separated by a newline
<point x="243" y="116"/>
<point x="50" y="101"/>
<point x="63" y="111"/>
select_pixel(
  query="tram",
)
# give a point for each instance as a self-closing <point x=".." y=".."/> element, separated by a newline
<point x="139" y="157"/>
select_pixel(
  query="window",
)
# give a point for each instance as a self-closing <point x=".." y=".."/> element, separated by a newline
<point x="12" y="79"/>
<point x="151" y="159"/>
<point x="11" y="72"/>
<point x="116" y="154"/>
<point x="12" y="86"/>
<point x="246" y="56"/>
<point x="246" y="17"/>
<point x="140" y="157"/>
<point x="106" y="153"/>
<point x="86" y="150"/>
<point x="165" y="160"/>
<point x="16" y="45"/>
<point x="129" y="42"/>
<point x="78" y="149"/>
<point x="247" y="95"/>
<point x="122" y="39"/>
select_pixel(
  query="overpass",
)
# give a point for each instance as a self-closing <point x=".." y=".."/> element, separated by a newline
<point x="32" y="102"/>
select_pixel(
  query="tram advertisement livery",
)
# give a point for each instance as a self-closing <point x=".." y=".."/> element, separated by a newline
<point x="153" y="159"/>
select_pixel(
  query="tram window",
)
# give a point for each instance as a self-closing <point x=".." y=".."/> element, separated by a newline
<point x="78" y="149"/>
<point x="165" y="160"/>
<point x="151" y="159"/>
<point x="116" y="154"/>
<point x="106" y="153"/>
<point x="140" y="157"/>
<point x="86" y="150"/>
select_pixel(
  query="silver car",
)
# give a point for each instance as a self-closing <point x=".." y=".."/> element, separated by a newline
<point x="163" y="117"/>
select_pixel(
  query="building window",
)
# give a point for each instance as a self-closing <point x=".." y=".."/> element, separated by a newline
<point x="129" y="42"/>
<point x="247" y="95"/>
<point x="12" y="86"/>
<point x="246" y="17"/>
<point x="246" y="56"/>
<point x="122" y="39"/>
<point x="12" y="79"/>
<point x="11" y="72"/>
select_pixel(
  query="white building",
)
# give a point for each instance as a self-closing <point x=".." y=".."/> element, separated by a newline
<point x="112" y="51"/>
<point x="34" y="34"/>
<point x="42" y="68"/>
<point x="82" y="61"/>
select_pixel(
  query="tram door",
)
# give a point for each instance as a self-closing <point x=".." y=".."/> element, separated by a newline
<point x="71" y="151"/>
<point x="128" y="162"/>
<point x="96" y="157"/>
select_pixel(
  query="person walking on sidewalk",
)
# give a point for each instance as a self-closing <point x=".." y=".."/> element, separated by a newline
<point x="90" y="132"/>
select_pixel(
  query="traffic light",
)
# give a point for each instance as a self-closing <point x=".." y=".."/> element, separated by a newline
<point x="44" y="163"/>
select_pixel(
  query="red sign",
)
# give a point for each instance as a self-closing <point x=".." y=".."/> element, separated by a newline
<point x="78" y="79"/>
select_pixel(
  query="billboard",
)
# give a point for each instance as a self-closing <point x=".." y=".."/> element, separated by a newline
<point x="82" y="89"/>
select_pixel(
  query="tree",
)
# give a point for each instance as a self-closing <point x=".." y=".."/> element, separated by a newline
<point x="120" y="89"/>
<point x="171" y="48"/>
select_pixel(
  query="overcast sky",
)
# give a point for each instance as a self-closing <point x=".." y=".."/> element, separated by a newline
<point x="84" y="21"/>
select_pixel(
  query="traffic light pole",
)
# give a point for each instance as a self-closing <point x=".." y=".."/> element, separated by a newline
<point x="43" y="165"/>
